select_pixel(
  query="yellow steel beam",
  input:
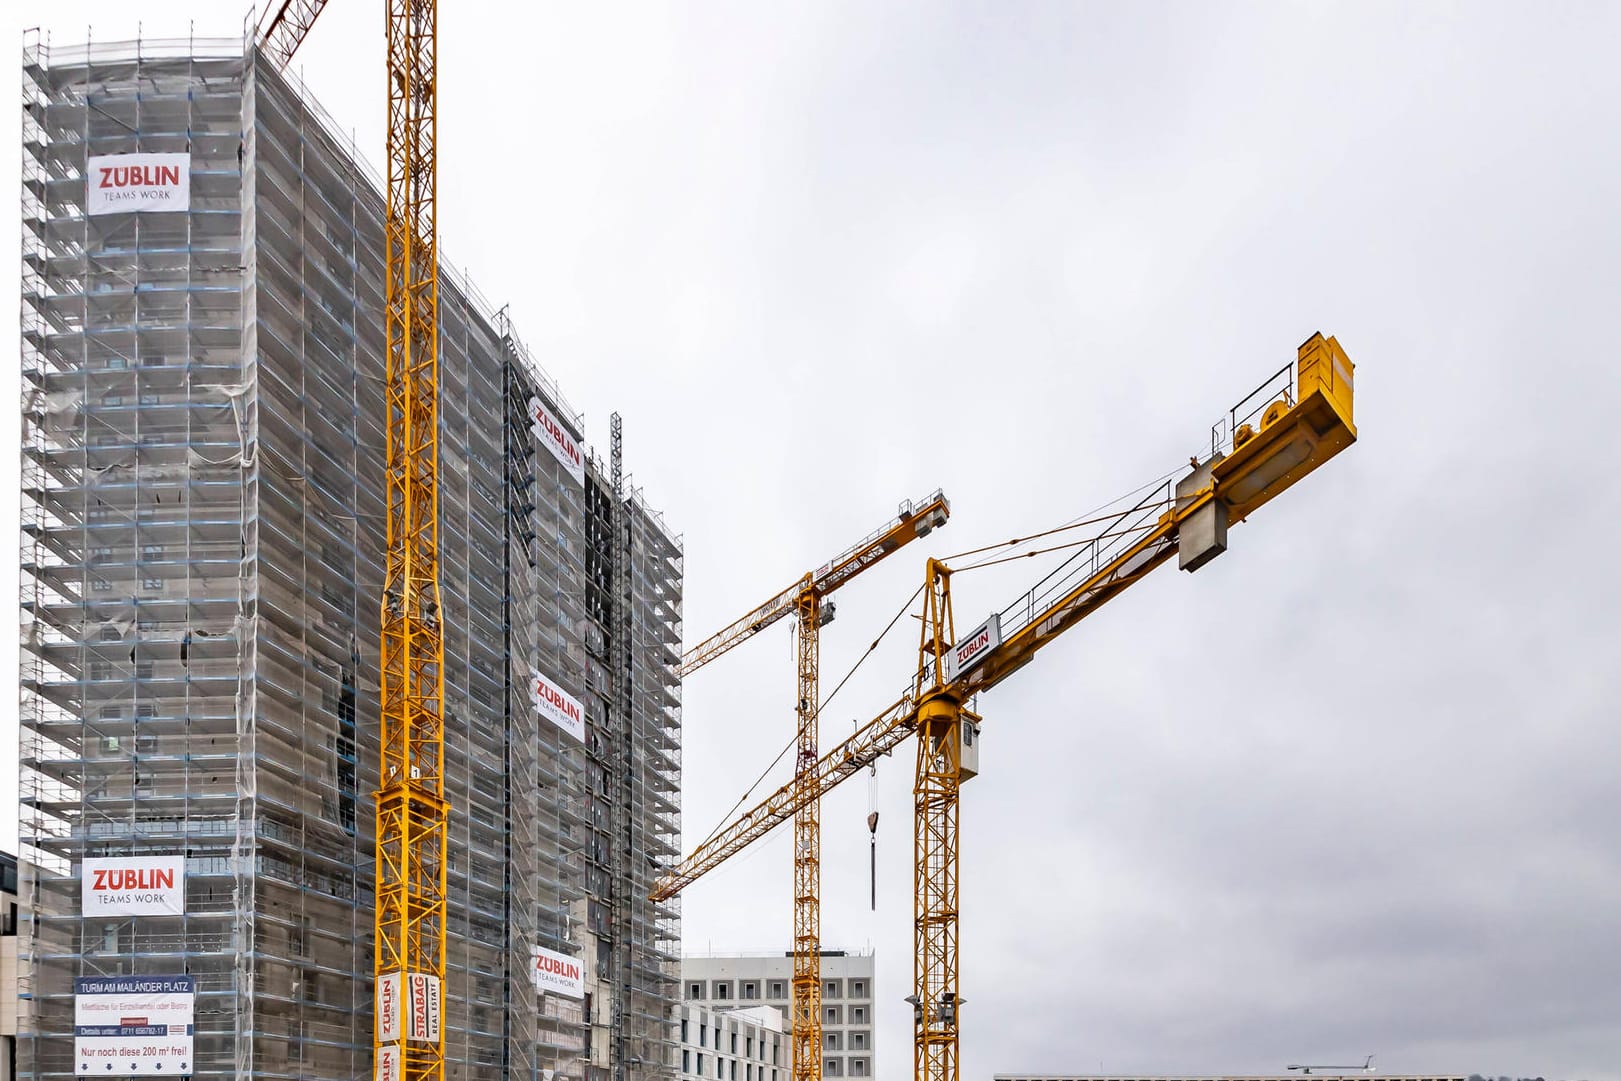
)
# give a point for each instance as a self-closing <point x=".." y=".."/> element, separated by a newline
<point x="288" y="28"/>
<point x="914" y="520"/>
<point x="412" y="814"/>
<point x="806" y="1011"/>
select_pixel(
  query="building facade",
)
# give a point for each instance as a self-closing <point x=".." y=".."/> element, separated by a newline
<point x="748" y="980"/>
<point x="201" y="567"/>
<point x="742" y="1043"/>
<point x="9" y="1002"/>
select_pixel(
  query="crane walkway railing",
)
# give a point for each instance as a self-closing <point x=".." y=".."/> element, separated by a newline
<point x="1118" y="536"/>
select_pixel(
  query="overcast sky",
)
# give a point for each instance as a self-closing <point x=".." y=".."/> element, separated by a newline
<point x="1349" y="790"/>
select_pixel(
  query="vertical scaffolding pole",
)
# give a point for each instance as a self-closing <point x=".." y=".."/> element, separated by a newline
<point x="620" y="750"/>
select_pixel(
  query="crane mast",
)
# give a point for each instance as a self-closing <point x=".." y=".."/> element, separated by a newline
<point x="1292" y="424"/>
<point x="412" y="813"/>
<point x="808" y="600"/>
<point x="413" y="816"/>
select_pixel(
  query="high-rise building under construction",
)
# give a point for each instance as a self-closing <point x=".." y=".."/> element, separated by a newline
<point x="202" y="502"/>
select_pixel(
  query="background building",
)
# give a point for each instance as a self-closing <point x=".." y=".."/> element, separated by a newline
<point x="743" y="1043"/>
<point x="202" y="555"/>
<point x="1330" y="1075"/>
<point x="9" y="1001"/>
<point x="750" y="979"/>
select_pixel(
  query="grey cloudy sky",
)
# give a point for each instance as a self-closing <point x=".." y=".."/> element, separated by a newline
<point x="1350" y="789"/>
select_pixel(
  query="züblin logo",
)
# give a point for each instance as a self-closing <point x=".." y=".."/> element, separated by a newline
<point x="139" y="176"/>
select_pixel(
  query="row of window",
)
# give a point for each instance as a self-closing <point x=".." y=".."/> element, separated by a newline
<point x="748" y="1045"/>
<point x="776" y="989"/>
<point x="726" y="1069"/>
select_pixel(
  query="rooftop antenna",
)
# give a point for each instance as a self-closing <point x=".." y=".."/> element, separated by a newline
<point x="1366" y="1067"/>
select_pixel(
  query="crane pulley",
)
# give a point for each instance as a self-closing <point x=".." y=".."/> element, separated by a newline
<point x="1290" y="426"/>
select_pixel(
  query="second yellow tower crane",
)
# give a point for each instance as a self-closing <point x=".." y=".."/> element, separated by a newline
<point x="810" y="601"/>
<point x="1291" y="425"/>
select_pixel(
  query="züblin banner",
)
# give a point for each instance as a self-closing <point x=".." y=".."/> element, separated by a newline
<point x="119" y="183"/>
<point x="563" y="446"/>
<point x="133" y="886"/>
<point x="126" y="1025"/>
<point x="558" y="706"/>
<point x="559" y="972"/>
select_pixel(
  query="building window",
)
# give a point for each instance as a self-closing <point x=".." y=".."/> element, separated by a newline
<point x="858" y="988"/>
<point x="830" y="1067"/>
<point x="778" y="990"/>
<point x="858" y="1015"/>
<point x="720" y="1066"/>
<point x="684" y="1037"/>
<point x="686" y="1061"/>
<point x="750" y="990"/>
<point x="749" y="1045"/>
<point x="734" y="1070"/>
<point x="830" y="1040"/>
<point x="703" y="1035"/>
<point x="858" y="1067"/>
<point x="722" y="990"/>
<point x="858" y="1041"/>
<point x="734" y="1043"/>
<point x="830" y="1015"/>
<point x="700" y="1063"/>
<point x="830" y="989"/>
<point x="694" y="990"/>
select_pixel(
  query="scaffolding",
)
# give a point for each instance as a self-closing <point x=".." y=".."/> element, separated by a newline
<point x="201" y="557"/>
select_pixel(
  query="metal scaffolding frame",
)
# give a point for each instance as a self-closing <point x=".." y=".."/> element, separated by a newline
<point x="201" y="557"/>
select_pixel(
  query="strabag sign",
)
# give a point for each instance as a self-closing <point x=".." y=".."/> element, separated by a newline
<point x="974" y="647"/>
<point x="558" y="973"/>
<point x="558" y="706"/>
<point x="556" y="439"/>
<point x="422" y="1007"/>
<point x="134" y="886"/>
<point x="119" y="183"/>
<point x="125" y="1025"/>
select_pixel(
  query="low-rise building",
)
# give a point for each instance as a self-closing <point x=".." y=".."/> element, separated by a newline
<point x="733" y="1044"/>
<point x="749" y="980"/>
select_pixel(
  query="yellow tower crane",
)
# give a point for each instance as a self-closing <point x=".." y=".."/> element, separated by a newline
<point x="412" y="812"/>
<point x="1291" y="425"/>
<point x="810" y="601"/>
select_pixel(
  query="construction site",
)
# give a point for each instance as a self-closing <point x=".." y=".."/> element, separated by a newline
<point x="204" y="534"/>
<point x="351" y="674"/>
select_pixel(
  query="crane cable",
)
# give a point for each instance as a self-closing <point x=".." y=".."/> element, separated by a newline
<point x="1092" y="517"/>
<point x="727" y="817"/>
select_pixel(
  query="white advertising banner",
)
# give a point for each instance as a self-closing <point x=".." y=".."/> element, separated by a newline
<point x="388" y="1008"/>
<point x="559" y="973"/>
<point x="557" y="440"/>
<point x="422" y="1022"/>
<point x="558" y="706"/>
<point x="134" y="886"/>
<point x="974" y="647"/>
<point x="119" y="183"/>
<point x="133" y="1025"/>
<point x="388" y="1063"/>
